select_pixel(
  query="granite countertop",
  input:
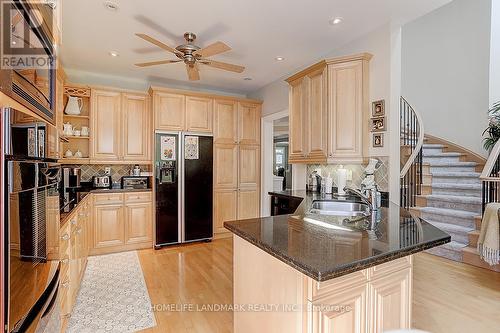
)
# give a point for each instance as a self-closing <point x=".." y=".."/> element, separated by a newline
<point x="325" y="247"/>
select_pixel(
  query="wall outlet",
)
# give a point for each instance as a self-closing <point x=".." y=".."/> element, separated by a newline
<point x="349" y="175"/>
<point x="107" y="171"/>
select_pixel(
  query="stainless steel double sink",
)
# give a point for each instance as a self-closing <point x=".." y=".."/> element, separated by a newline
<point x="340" y="208"/>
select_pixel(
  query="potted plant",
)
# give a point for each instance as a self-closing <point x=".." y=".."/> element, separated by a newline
<point x="492" y="132"/>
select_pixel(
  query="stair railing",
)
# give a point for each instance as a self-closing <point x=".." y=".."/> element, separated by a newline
<point x="490" y="177"/>
<point x="411" y="142"/>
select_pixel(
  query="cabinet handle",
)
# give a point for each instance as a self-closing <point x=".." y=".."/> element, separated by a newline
<point x="65" y="284"/>
<point x="65" y="237"/>
<point x="65" y="261"/>
<point x="79" y="230"/>
<point x="73" y="222"/>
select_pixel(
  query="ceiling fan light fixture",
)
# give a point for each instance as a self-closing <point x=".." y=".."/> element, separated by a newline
<point x="336" y="20"/>
<point x="112" y="6"/>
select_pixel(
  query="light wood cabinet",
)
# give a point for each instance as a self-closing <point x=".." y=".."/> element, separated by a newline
<point x="225" y="166"/>
<point x="248" y="203"/>
<point x="249" y="123"/>
<point x="249" y="166"/>
<point x="109" y="226"/>
<point x="122" y="222"/>
<point x="138" y="222"/>
<point x="225" y="208"/>
<point x="225" y="121"/>
<point x="329" y="111"/>
<point x="106" y="125"/>
<point x="136" y="127"/>
<point x="170" y="111"/>
<point x="199" y="114"/>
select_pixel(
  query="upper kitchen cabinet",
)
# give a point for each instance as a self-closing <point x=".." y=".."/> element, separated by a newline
<point x="249" y="123"/>
<point x="225" y="121"/>
<point x="106" y="125"/>
<point x="199" y="114"/>
<point x="329" y="111"/>
<point x="170" y="111"/>
<point x="136" y="127"/>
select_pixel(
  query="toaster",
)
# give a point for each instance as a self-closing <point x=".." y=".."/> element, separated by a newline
<point x="135" y="182"/>
<point x="101" y="181"/>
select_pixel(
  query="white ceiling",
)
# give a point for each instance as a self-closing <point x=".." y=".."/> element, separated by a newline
<point x="257" y="31"/>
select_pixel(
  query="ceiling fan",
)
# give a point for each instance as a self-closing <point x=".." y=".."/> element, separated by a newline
<point x="192" y="55"/>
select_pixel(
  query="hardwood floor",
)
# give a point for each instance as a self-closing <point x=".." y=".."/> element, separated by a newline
<point x="448" y="296"/>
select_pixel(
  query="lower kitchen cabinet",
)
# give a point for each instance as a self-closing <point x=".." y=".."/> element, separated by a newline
<point x="248" y="203"/>
<point x="225" y="208"/>
<point x="122" y="222"/>
<point x="138" y="223"/>
<point x="108" y="226"/>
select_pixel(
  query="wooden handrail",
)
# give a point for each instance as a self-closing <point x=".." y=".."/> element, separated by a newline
<point x="418" y="146"/>
<point x="490" y="163"/>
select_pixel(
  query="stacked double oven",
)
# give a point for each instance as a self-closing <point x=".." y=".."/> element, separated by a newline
<point x="31" y="203"/>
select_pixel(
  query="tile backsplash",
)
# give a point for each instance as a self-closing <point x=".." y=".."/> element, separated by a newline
<point x="381" y="174"/>
<point x="117" y="170"/>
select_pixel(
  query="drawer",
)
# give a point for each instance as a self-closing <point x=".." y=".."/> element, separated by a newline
<point x="110" y="198"/>
<point x="319" y="289"/>
<point x="138" y="197"/>
<point x="390" y="267"/>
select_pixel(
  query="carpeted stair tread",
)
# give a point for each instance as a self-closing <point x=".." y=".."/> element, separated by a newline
<point x="455" y="198"/>
<point x="464" y="186"/>
<point x="449" y="212"/>
<point x="452" y="164"/>
<point x="433" y="145"/>
<point x="442" y="154"/>
<point x="457" y="174"/>
<point x="448" y="227"/>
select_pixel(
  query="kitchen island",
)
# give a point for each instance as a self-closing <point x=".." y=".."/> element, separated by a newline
<point x="312" y="272"/>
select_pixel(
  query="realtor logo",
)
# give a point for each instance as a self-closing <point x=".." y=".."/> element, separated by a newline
<point x="24" y="45"/>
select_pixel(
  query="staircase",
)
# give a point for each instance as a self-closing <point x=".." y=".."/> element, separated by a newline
<point x="451" y="194"/>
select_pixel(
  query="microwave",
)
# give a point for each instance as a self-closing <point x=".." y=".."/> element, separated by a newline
<point x="30" y="82"/>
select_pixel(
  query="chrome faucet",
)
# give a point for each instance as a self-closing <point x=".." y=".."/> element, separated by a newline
<point x="360" y="194"/>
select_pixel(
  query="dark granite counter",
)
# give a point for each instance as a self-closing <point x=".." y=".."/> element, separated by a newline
<point x="325" y="247"/>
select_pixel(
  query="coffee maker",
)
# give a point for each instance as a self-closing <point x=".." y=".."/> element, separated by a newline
<point x="71" y="182"/>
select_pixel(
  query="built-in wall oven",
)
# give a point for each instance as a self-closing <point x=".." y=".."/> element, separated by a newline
<point x="32" y="204"/>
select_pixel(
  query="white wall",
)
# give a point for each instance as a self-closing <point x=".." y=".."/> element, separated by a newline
<point x="445" y="70"/>
<point x="495" y="52"/>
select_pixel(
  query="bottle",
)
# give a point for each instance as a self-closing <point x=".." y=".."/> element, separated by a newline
<point x="328" y="184"/>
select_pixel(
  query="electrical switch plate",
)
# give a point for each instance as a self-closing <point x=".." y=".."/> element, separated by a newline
<point x="107" y="171"/>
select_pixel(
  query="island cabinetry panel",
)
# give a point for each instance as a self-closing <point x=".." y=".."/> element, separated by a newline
<point x="329" y="111"/>
<point x="371" y="300"/>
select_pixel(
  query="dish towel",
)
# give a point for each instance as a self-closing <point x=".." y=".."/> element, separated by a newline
<point x="488" y="243"/>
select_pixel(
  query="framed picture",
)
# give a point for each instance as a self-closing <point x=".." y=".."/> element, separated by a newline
<point x="378" y="140"/>
<point x="378" y="108"/>
<point x="377" y="124"/>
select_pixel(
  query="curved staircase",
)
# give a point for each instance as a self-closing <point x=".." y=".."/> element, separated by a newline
<point x="451" y="193"/>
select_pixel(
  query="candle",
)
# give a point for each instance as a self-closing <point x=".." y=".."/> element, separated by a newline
<point x="341" y="180"/>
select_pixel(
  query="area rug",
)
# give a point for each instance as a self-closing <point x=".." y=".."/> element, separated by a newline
<point x="113" y="296"/>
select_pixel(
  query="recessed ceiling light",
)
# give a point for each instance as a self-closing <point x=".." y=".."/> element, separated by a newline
<point x="111" y="5"/>
<point x="247" y="78"/>
<point x="279" y="58"/>
<point x="113" y="53"/>
<point x="336" y="20"/>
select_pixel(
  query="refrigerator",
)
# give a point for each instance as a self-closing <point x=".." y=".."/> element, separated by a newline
<point x="183" y="187"/>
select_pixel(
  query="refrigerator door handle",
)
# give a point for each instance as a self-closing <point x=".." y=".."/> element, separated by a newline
<point x="181" y="188"/>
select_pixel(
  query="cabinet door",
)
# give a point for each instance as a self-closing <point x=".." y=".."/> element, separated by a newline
<point x="136" y="127"/>
<point x="106" y="125"/>
<point x="317" y="116"/>
<point x="170" y="111"/>
<point x="249" y="123"/>
<point x="347" y="313"/>
<point x="248" y="203"/>
<point x="249" y="166"/>
<point x="225" y="208"/>
<point x="199" y="114"/>
<point x="108" y="226"/>
<point x="225" y="121"/>
<point x="298" y="119"/>
<point x="346" y="111"/>
<point x="226" y="166"/>
<point x="139" y="224"/>
<point x="390" y="302"/>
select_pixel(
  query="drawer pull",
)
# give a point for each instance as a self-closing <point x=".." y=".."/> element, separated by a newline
<point x="79" y="231"/>
<point x="65" y="261"/>
<point x="81" y="214"/>
<point x="65" y="237"/>
<point x="65" y="284"/>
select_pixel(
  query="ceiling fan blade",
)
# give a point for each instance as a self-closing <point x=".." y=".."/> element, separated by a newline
<point x="153" y="63"/>
<point x="223" y="65"/>
<point x="212" y="49"/>
<point x="159" y="44"/>
<point x="193" y="72"/>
